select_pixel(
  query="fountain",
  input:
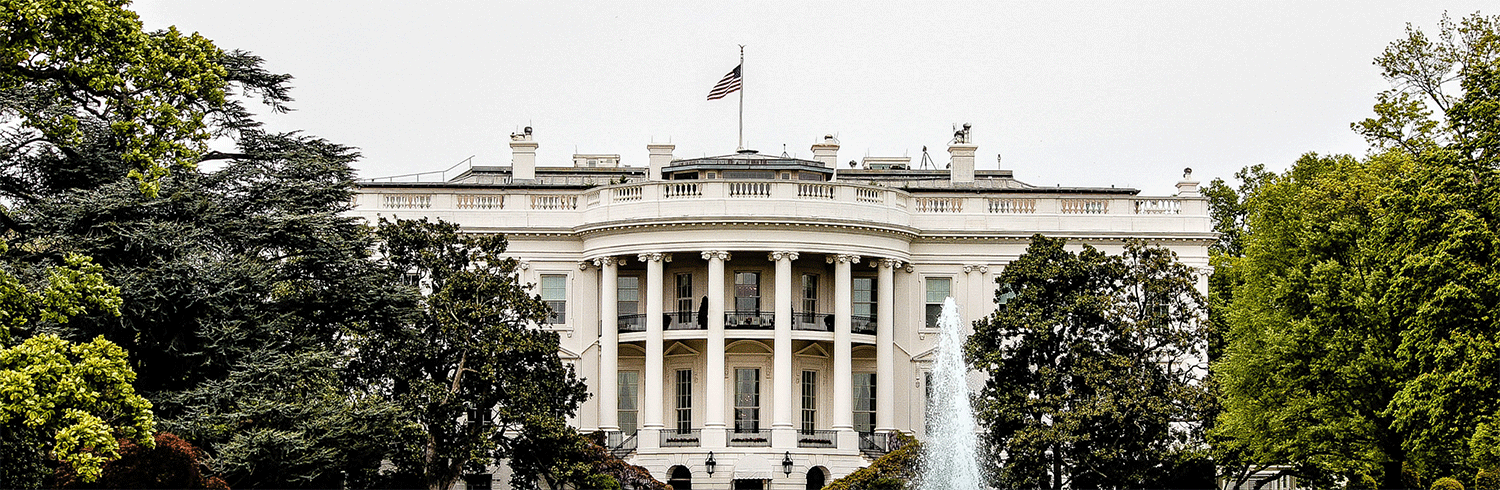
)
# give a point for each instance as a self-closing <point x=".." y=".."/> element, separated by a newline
<point x="950" y="458"/>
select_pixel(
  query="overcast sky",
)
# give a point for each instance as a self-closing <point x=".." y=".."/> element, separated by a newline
<point x="1070" y="93"/>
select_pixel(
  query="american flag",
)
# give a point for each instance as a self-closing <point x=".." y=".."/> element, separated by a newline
<point x="728" y="85"/>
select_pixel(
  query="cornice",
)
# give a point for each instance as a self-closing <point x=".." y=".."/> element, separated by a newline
<point x="630" y="226"/>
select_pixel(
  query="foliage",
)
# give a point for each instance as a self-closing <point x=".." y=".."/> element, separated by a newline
<point x="1095" y="365"/>
<point x="1447" y="483"/>
<point x="74" y="400"/>
<point x="1366" y="314"/>
<point x="564" y="458"/>
<point x="170" y="463"/>
<point x="473" y="370"/>
<point x="284" y="420"/>
<point x="890" y="471"/>
<point x="1487" y="480"/>
<point x="72" y="71"/>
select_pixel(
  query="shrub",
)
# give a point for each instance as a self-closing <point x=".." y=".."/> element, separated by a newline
<point x="1446" y="483"/>
<point x="1487" y="479"/>
<point x="173" y="463"/>
<point x="889" y="472"/>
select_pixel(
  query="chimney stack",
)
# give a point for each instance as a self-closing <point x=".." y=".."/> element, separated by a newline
<point x="1187" y="187"/>
<point x="659" y="154"/>
<point x="522" y="155"/>
<point x="827" y="151"/>
<point x="962" y="151"/>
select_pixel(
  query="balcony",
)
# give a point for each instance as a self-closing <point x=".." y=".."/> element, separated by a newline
<point x="812" y="322"/>
<point x="818" y="438"/>
<point x="749" y="438"/>
<point x="750" y="319"/>
<point x="671" y="320"/>
<point x="672" y="438"/>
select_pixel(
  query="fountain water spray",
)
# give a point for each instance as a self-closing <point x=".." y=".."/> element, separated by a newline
<point x="950" y="456"/>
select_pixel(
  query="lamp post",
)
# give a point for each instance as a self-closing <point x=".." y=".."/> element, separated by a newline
<point x="709" y="465"/>
<point x="786" y="463"/>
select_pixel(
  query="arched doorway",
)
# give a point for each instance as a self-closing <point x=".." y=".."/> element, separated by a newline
<point x="816" y="477"/>
<point x="680" y="478"/>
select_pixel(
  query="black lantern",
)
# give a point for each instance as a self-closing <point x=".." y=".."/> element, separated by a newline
<point x="786" y="463"/>
<point x="710" y="463"/>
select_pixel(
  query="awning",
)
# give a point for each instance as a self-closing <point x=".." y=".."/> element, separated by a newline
<point x="752" y="467"/>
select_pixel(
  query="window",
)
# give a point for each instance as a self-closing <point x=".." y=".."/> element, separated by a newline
<point x="684" y="401"/>
<point x="747" y="400"/>
<point x="685" y="298"/>
<point x="629" y="405"/>
<point x="482" y="481"/>
<point x="938" y="289"/>
<point x="864" y="402"/>
<point x="747" y="293"/>
<point x="478" y="417"/>
<point x="555" y="294"/>
<point x="862" y="312"/>
<point x="628" y="288"/>
<point x="810" y="293"/>
<point x="809" y="401"/>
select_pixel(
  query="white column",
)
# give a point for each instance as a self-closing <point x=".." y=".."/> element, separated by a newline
<point x="652" y="404"/>
<point x="975" y="307"/>
<point x="609" y="344"/>
<point x="843" y="373"/>
<point x="713" y="380"/>
<point x="885" y="346"/>
<point x="783" y="433"/>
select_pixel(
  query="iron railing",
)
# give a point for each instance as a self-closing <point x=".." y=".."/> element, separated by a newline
<point x="672" y="438"/>
<point x="818" y="438"/>
<point x="750" y="319"/>
<point x="758" y="438"/>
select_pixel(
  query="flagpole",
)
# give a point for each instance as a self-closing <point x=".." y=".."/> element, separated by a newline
<point x="742" y="97"/>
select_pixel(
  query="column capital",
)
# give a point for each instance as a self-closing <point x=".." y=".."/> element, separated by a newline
<point x="715" y="254"/>
<point x="583" y="265"/>
<point x="843" y="259"/>
<point x="980" y="268"/>
<point x="655" y="257"/>
<point x="525" y="264"/>
<point x="890" y="263"/>
<point x="607" y="261"/>
<point x="782" y="254"/>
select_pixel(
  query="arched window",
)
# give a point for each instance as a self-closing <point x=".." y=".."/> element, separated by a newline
<point x="681" y="478"/>
<point x="816" y="476"/>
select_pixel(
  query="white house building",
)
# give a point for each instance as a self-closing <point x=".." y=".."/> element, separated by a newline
<point x="755" y="321"/>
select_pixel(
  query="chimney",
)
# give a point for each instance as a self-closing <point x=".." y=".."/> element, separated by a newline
<point x="659" y="154"/>
<point x="522" y="155"/>
<point x="962" y="170"/>
<point x="827" y="151"/>
<point x="1187" y="187"/>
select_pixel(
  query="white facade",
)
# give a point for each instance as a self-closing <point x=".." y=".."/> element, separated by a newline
<point x="764" y="309"/>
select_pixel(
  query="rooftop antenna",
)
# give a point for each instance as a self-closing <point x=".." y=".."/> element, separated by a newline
<point x="783" y="151"/>
<point x="926" y="163"/>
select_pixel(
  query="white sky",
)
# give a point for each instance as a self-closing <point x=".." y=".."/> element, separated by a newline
<point x="1070" y="93"/>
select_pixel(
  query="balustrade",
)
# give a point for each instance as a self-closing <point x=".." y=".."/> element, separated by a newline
<point x="682" y="189"/>
<point x="551" y="202"/>
<point x="1083" y="206"/>
<point x="814" y="191"/>
<point x="406" y="201"/>
<point x="749" y="189"/>
<point x="940" y="205"/>
<point x="1012" y="206"/>
<point x="479" y="201"/>
<point x="626" y="194"/>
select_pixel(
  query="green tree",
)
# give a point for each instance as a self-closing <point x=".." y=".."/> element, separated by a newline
<point x="471" y="368"/>
<point x="1094" y="365"/>
<point x="1364" y="322"/>
<point x="70" y="400"/>
<point x="77" y="70"/>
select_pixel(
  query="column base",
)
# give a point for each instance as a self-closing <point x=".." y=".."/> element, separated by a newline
<point x="714" y="437"/>
<point x="784" y="437"/>
<point x="848" y="439"/>
<point x="648" y="438"/>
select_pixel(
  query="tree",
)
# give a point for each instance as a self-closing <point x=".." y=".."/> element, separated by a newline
<point x="1094" y="366"/>
<point x="471" y="368"/>
<point x="72" y="401"/>
<point x="78" y="70"/>
<point x="1366" y="312"/>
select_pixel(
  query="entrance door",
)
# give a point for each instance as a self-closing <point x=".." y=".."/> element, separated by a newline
<point x="749" y="485"/>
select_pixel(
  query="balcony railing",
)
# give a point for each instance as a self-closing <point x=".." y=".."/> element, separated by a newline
<point x="751" y="319"/>
<point x="671" y="320"/>
<point x="875" y="444"/>
<point x="634" y="322"/>
<point x="862" y="324"/>
<point x="818" y="438"/>
<point x="816" y="322"/>
<point x="672" y="438"/>
<point x="619" y="443"/>
<point x="760" y="438"/>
